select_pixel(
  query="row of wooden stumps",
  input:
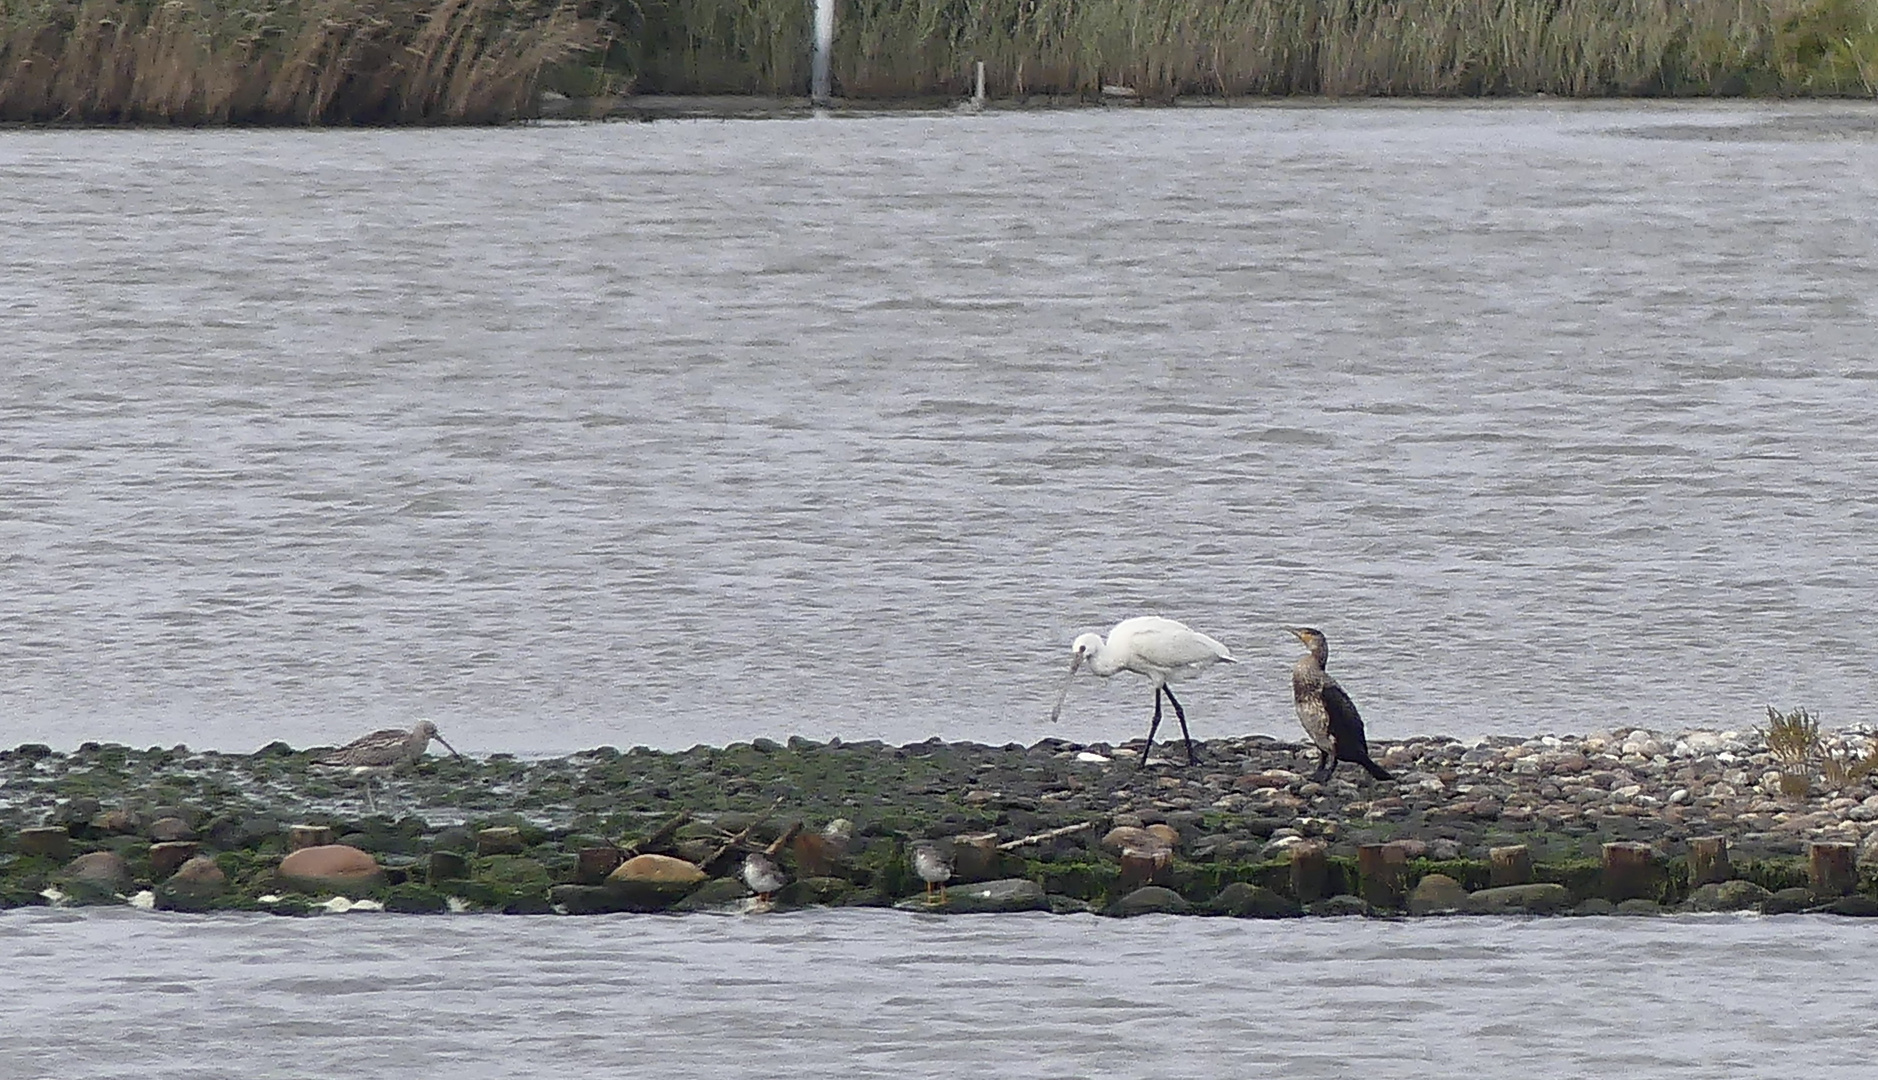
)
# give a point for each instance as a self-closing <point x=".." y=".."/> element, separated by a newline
<point x="1630" y="870"/>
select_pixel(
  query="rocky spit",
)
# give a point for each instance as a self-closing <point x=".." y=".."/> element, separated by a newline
<point x="112" y="824"/>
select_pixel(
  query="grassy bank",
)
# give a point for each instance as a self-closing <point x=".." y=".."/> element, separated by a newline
<point x="282" y="61"/>
<point x="1167" y="48"/>
<point x="477" y="61"/>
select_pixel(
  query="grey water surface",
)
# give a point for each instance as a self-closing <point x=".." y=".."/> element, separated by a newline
<point x="879" y="994"/>
<point x="1553" y="417"/>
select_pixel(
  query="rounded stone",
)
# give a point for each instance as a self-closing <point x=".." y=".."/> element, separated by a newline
<point x="170" y="829"/>
<point x="1436" y="894"/>
<point x="1150" y="900"/>
<point x="335" y="868"/>
<point x="1538" y="898"/>
<point x="193" y="885"/>
<point x="1727" y="896"/>
<point x="97" y="877"/>
<point x="657" y="870"/>
<point x="1246" y="901"/>
<point x="117" y="823"/>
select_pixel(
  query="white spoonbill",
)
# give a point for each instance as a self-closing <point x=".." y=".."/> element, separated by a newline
<point x="1161" y="649"/>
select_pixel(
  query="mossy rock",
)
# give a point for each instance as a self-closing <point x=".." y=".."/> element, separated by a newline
<point x="585" y="900"/>
<point x="455" y="838"/>
<point x="289" y="905"/>
<point x="1436" y="894"/>
<point x="1787" y="901"/>
<point x="528" y="904"/>
<point x="1149" y="900"/>
<point x="1537" y="898"/>
<point x="528" y="832"/>
<point x="822" y="891"/>
<point x="1243" y="900"/>
<point x="1084" y="880"/>
<point x="1341" y="904"/>
<point x="716" y="894"/>
<point x="412" y="899"/>
<point x="984" y="897"/>
<point x="1734" y="895"/>
<point x="1854" y="906"/>
<point x="648" y="896"/>
<point x="513" y="872"/>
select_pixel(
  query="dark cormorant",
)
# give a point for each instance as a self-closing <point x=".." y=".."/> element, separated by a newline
<point x="1327" y="713"/>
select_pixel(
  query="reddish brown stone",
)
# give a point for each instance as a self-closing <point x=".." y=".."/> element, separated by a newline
<point x="334" y="868"/>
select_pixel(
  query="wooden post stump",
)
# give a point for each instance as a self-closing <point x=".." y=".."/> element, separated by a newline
<point x="594" y="864"/>
<point x="1310" y="872"/>
<point x="1832" y="869"/>
<point x="1510" y="865"/>
<point x="47" y="842"/>
<point x="166" y="857"/>
<point x="447" y="866"/>
<point x="1708" y="860"/>
<point x="305" y="836"/>
<point x="1381" y="870"/>
<point x="1145" y="866"/>
<point x="1631" y="872"/>
<point x="974" y="857"/>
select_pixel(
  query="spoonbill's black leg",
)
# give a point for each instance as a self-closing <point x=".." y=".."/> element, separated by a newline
<point x="1152" y="728"/>
<point x="1182" y="716"/>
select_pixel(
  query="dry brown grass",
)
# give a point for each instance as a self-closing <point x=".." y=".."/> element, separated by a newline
<point x="1344" y="48"/>
<point x="277" y="61"/>
<point x="463" y="61"/>
<point x="1806" y="758"/>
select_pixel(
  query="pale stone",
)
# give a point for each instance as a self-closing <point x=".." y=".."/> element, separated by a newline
<point x="657" y="870"/>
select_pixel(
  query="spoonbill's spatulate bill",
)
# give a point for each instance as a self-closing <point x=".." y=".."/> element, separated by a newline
<point x="1161" y="649"/>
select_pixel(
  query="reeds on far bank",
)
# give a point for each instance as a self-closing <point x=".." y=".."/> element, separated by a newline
<point x="281" y="61"/>
<point x="1166" y="48"/>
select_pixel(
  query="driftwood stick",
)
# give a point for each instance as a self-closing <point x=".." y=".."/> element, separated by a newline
<point x="783" y="840"/>
<point x="732" y="843"/>
<point x="1039" y="838"/>
<point x="660" y="836"/>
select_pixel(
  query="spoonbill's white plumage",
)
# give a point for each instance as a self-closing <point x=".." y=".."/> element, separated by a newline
<point x="1162" y="649"/>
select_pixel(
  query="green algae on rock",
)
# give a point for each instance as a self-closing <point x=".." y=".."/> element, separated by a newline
<point x="1054" y="826"/>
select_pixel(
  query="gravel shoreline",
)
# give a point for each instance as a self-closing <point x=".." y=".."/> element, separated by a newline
<point x="1233" y="817"/>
